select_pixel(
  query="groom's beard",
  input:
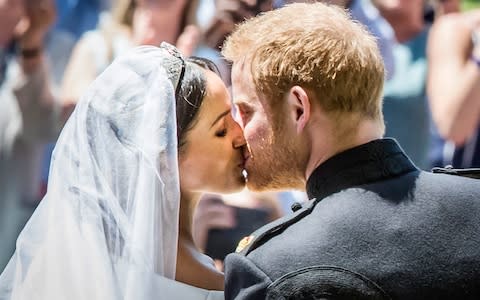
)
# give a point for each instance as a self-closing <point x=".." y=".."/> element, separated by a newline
<point x="274" y="163"/>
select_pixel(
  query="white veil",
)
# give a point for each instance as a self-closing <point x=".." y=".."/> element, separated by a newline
<point x="108" y="224"/>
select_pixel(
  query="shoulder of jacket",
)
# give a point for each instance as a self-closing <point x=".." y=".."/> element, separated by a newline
<point x="265" y="233"/>
<point x="469" y="172"/>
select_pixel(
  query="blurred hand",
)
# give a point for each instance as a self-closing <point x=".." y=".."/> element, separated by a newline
<point x="11" y="12"/>
<point x="38" y="18"/>
<point x="452" y="87"/>
<point x="157" y="21"/>
<point x="462" y="35"/>
<point x="188" y="40"/>
<point x="211" y="212"/>
<point x="228" y="13"/>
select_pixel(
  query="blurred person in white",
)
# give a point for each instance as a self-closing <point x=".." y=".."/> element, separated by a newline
<point x="74" y="17"/>
<point x="454" y="89"/>
<point x="129" y="23"/>
<point x="127" y="172"/>
<point x="29" y="115"/>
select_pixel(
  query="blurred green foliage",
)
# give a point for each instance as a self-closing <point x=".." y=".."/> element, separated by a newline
<point x="470" y="4"/>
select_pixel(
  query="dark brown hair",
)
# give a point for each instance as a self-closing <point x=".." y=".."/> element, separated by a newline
<point x="190" y="94"/>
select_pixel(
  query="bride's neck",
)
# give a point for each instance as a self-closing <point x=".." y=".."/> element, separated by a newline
<point x="193" y="267"/>
<point x="188" y="202"/>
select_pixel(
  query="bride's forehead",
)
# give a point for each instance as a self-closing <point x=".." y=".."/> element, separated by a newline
<point x="216" y="91"/>
<point x="214" y="104"/>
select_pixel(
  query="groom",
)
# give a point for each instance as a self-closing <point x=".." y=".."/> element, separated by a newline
<point x="307" y="89"/>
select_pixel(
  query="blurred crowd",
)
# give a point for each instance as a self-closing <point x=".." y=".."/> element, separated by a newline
<point x="51" y="50"/>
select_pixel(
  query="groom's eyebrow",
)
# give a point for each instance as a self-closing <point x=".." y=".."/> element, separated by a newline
<point x="220" y="116"/>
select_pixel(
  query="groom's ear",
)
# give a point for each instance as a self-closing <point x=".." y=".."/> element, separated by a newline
<point x="298" y="103"/>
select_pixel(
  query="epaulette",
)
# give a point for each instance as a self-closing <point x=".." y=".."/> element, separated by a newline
<point x="260" y="236"/>
<point x="470" y="172"/>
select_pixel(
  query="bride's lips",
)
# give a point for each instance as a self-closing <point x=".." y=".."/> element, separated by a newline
<point x="245" y="157"/>
<point x="243" y="162"/>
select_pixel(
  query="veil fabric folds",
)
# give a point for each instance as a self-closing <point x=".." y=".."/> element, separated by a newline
<point x="108" y="225"/>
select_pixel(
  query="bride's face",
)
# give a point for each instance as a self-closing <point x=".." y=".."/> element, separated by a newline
<point x="212" y="158"/>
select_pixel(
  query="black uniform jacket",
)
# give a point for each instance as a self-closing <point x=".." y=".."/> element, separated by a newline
<point x="376" y="228"/>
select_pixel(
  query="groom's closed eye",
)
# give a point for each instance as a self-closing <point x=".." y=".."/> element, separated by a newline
<point x="242" y="114"/>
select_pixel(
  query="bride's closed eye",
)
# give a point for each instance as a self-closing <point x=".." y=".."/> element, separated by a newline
<point x="221" y="133"/>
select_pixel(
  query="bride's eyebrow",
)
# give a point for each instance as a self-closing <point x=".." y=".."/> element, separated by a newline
<point x="220" y="116"/>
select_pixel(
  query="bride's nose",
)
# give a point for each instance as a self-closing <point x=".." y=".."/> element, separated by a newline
<point x="238" y="138"/>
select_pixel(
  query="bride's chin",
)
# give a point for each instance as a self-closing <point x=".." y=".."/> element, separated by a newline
<point x="234" y="186"/>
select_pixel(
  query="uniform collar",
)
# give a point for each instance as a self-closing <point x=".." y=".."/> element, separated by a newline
<point x="371" y="162"/>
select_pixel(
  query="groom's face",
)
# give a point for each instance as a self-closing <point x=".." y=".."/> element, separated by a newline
<point x="270" y="156"/>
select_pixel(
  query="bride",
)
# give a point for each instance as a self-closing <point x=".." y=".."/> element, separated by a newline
<point x="151" y="134"/>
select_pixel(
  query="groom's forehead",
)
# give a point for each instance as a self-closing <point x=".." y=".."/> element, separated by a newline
<point x="238" y="69"/>
<point x="242" y="79"/>
<point x="243" y="66"/>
